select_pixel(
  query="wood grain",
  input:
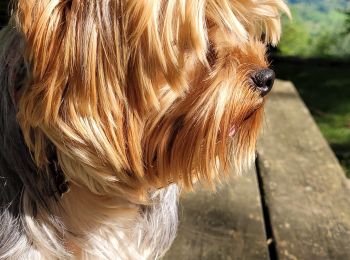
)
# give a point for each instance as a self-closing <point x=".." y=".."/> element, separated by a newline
<point x="306" y="190"/>
<point x="227" y="224"/>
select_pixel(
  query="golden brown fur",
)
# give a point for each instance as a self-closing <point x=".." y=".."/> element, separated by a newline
<point x="113" y="82"/>
<point x="138" y="94"/>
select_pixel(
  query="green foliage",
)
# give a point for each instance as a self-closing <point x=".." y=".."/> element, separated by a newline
<point x="294" y="39"/>
<point x="347" y="22"/>
<point x="323" y="5"/>
<point x="318" y="29"/>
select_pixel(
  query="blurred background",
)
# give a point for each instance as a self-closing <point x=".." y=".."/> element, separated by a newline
<point x="315" y="55"/>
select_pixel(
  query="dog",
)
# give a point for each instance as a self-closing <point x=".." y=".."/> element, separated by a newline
<point x="110" y="107"/>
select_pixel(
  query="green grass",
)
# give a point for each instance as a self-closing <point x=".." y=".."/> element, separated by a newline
<point x="326" y="91"/>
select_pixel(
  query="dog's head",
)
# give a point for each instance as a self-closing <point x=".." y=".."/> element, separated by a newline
<point x="137" y="94"/>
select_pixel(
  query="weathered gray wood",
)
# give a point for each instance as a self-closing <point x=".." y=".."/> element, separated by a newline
<point x="227" y="224"/>
<point x="306" y="190"/>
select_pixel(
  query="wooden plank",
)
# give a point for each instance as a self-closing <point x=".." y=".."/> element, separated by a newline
<point x="307" y="193"/>
<point x="227" y="224"/>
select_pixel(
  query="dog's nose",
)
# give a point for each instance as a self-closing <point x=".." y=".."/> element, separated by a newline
<point x="263" y="80"/>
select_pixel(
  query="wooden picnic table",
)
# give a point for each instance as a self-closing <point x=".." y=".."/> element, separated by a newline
<point x="293" y="204"/>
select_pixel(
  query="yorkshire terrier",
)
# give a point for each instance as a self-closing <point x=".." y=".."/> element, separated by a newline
<point x="110" y="107"/>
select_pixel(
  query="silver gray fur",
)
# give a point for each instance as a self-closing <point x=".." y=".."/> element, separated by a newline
<point x="17" y="169"/>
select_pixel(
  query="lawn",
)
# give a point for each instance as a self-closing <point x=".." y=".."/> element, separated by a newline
<point x="325" y="88"/>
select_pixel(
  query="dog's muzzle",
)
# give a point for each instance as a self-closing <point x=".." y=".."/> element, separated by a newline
<point x="263" y="80"/>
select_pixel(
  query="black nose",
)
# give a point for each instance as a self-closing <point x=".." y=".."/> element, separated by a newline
<point x="263" y="80"/>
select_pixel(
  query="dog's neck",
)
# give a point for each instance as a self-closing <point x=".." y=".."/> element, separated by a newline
<point x="126" y="228"/>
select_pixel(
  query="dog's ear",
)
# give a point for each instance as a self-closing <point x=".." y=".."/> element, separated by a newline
<point x="95" y="70"/>
<point x="76" y="94"/>
<point x="137" y="40"/>
<point x="44" y="27"/>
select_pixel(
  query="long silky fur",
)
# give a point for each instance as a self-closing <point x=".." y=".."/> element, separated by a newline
<point x="18" y="173"/>
<point x="137" y="98"/>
